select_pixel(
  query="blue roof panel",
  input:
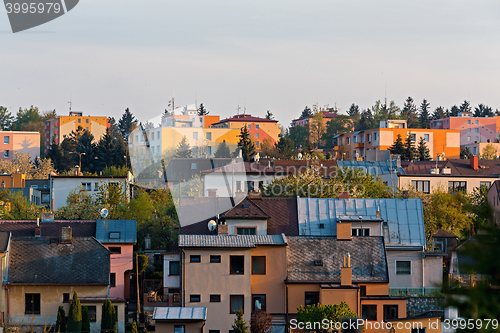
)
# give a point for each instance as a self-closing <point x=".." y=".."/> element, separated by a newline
<point x="116" y="231"/>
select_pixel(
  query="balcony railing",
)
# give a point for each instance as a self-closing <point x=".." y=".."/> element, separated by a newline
<point x="409" y="292"/>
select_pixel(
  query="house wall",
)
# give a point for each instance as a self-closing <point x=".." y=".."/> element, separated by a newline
<point x="120" y="263"/>
<point x="21" y="142"/>
<point x="95" y="125"/>
<point x="437" y="181"/>
<point x="189" y="327"/>
<point x="171" y="281"/>
<point x="217" y="181"/>
<point x="433" y="271"/>
<point x="494" y="201"/>
<point x="233" y="224"/>
<point x="95" y="327"/>
<point x="414" y="280"/>
<point x="371" y="326"/>
<point x="337" y="295"/>
<point x="13" y="180"/>
<point x="296" y="295"/>
<point x="375" y="227"/>
<point x="477" y="148"/>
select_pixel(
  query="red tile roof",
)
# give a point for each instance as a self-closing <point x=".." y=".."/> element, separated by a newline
<point x="246" y="118"/>
<point x="246" y="209"/>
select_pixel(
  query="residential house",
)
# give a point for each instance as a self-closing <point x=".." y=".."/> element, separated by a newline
<point x="260" y="129"/>
<point x="472" y="129"/>
<point x="41" y="191"/>
<point x="180" y="319"/>
<point x="187" y="116"/>
<point x="454" y="175"/>
<point x="478" y="148"/>
<point x="21" y="142"/>
<point x="388" y="171"/>
<point x="306" y="121"/>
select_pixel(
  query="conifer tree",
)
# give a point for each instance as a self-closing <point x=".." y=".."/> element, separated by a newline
<point x="423" y="153"/>
<point x="202" y="111"/>
<point x="425" y="121"/>
<point x="246" y="144"/>
<point x="108" y="321"/>
<point x="398" y="146"/>
<point x="240" y="326"/>
<point x="409" y="150"/>
<point x="61" y="320"/>
<point x="409" y="113"/>
<point x="269" y="115"/>
<point x="85" y="319"/>
<point x="75" y="315"/>
<point x="222" y="150"/>
<point x="127" y="123"/>
<point x="183" y="149"/>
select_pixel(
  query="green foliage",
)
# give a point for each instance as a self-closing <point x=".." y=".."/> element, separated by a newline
<point x="75" y="315"/>
<point x="439" y="113"/>
<point x="284" y="147"/>
<point x="85" y="319"/>
<point x="269" y="115"/>
<point x="143" y="262"/>
<point x="489" y="152"/>
<point x="61" y="320"/>
<point x="338" y="125"/>
<point x="334" y="313"/>
<point x="398" y="147"/>
<point x="240" y="326"/>
<point x="127" y="123"/>
<point x="422" y="151"/>
<point x="409" y="113"/>
<point x="365" y="120"/>
<point x="425" y="120"/>
<point x="222" y="150"/>
<point x="410" y="151"/>
<point x="5" y="119"/>
<point x="246" y="144"/>
<point x="465" y="153"/>
<point x="317" y="128"/>
<point x="113" y="170"/>
<point x="306" y="113"/>
<point x="108" y="321"/>
<point x="183" y="149"/>
<point x="15" y="206"/>
<point x="299" y="136"/>
<point x="202" y="111"/>
<point x="134" y="327"/>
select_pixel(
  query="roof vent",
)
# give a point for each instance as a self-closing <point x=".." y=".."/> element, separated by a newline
<point x="246" y="205"/>
<point x="322" y="226"/>
<point x="318" y="263"/>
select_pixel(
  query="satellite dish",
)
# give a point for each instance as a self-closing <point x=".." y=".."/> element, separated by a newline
<point x="104" y="213"/>
<point x="442" y="154"/>
<point x="212" y="225"/>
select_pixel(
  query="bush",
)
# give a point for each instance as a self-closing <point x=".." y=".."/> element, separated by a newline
<point x="75" y="315"/>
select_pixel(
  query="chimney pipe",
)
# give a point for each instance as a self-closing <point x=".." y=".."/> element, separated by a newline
<point x="474" y="162"/>
<point x="346" y="272"/>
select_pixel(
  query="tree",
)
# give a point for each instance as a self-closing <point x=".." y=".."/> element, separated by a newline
<point x="260" y="322"/>
<point x="5" y="119"/>
<point x="425" y="121"/>
<point x="333" y="313"/>
<point x="268" y="149"/>
<point x="202" y="111"/>
<point x="246" y="144"/>
<point x="365" y="120"/>
<point x="353" y="110"/>
<point x="127" y="123"/>
<point x="75" y="315"/>
<point x="306" y="113"/>
<point x="439" y="113"/>
<point x="465" y="107"/>
<point x="483" y="111"/>
<point x="409" y="113"/>
<point x="409" y="152"/>
<point x="88" y="149"/>
<point x="55" y="154"/>
<point x="454" y="111"/>
<point x="299" y="135"/>
<point x="269" y="115"/>
<point x="398" y="147"/>
<point x="108" y="320"/>
<point x="61" y="320"/>
<point x="317" y="128"/>
<point x="338" y="125"/>
<point x="134" y="327"/>
<point x="240" y="326"/>
<point x="465" y="153"/>
<point x="423" y="153"/>
<point x="183" y="149"/>
<point x="222" y="150"/>
<point x="284" y="147"/>
<point x="85" y="319"/>
<point x="489" y="152"/>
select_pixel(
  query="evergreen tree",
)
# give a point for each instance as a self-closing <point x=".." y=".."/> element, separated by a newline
<point x="365" y="121"/>
<point x="246" y="144"/>
<point x="409" y="150"/>
<point x="269" y="115"/>
<point x="87" y="146"/>
<point x="202" y="111"/>
<point x="127" y="123"/>
<point x="353" y="110"/>
<point x="317" y="128"/>
<point x="55" y="154"/>
<point x="5" y="119"/>
<point x="423" y="153"/>
<point x="398" y="147"/>
<point x="306" y="113"/>
<point x="240" y="326"/>
<point x="439" y="113"/>
<point x="454" y="111"/>
<point x="284" y="146"/>
<point x="299" y="135"/>
<point x="465" y="107"/>
<point x="61" y="320"/>
<point x="483" y="111"/>
<point x="85" y="319"/>
<point x="465" y="153"/>
<point x="409" y="113"/>
<point x="425" y="121"/>
<point x="108" y="321"/>
<point x="183" y="149"/>
<point x="75" y="315"/>
<point x="222" y="150"/>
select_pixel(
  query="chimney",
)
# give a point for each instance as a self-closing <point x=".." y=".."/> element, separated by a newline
<point x="344" y="231"/>
<point x="38" y="230"/>
<point x="474" y="162"/>
<point x="346" y="272"/>
<point x="344" y="195"/>
<point x="66" y="235"/>
<point x="405" y="194"/>
<point x="378" y="212"/>
<point x="212" y="192"/>
<point x="222" y="229"/>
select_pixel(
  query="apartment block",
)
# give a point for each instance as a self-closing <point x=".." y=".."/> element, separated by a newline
<point x="22" y="142"/>
<point x="472" y="129"/>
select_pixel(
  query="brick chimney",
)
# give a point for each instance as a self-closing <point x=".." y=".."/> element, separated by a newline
<point x="344" y="231"/>
<point x="66" y="235"/>
<point x="344" y="195"/>
<point x="474" y="162"/>
<point x="38" y="229"/>
<point x="346" y="272"/>
<point x="222" y="229"/>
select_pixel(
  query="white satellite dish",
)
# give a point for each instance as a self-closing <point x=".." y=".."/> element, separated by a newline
<point x="104" y="213"/>
<point x="212" y="225"/>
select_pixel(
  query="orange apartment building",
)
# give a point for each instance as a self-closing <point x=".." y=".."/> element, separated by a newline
<point x="63" y="125"/>
<point x="354" y="145"/>
<point x="260" y="128"/>
<point x="22" y="142"/>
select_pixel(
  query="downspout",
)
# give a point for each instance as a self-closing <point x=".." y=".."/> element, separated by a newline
<point x="202" y="330"/>
<point x="286" y="307"/>
<point x="183" y="256"/>
<point x="8" y="304"/>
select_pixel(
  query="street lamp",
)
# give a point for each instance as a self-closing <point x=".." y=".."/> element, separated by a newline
<point x="79" y="155"/>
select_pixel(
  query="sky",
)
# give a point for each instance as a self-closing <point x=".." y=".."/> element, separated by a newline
<point x="105" y="56"/>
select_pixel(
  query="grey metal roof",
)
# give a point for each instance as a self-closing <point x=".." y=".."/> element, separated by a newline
<point x="180" y="313"/>
<point x="368" y="259"/>
<point x="404" y="217"/>
<point x="238" y="241"/>
<point x="116" y="231"/>
<point x="374" y="168"/>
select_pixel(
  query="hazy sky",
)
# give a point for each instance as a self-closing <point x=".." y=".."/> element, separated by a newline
<point x="280" y="55"/>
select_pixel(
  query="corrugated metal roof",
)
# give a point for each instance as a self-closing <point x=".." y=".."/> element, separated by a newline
<point x="240" y="241"/>
<point x="116" y="231"/>
<point x="374" y="168"/>
<point x="404" y="217"/>
<point x="180" y="313"/>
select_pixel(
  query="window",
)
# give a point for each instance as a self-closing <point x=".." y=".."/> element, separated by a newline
<point x="258" y="265"/>
<point x="32" y="304"/>
<point x="237" y="264"/>
<point x="457" y="186"/>
<point x="468" y="138"/>
<point x="375" y="136"/>
<point x="421" y="185"/>
<point x="348" y="141"/>
<point x="6" y="154"/>
<point x="215" y="259"/>
<point x="355" y="139"/>
<point x="195" y="135"/>
<point x="179" y="328"/>
<point x="468" y="130"/>
<point x="6" y="139"/>
<point x="86" y="187"/>
<point x="258" y="303"/>
<point x="403" y="267"/>
<point x="173" y="268"/>
<point x="195" y="258"/>
<point x="257" y="143"/>
<point x="114" y="235"/>
<point x="360" y="232"/>
<point x="476" y="130"/>
<point x="413" y="137"/>
<point x="115" y="249"/>
<point x="236" y="303"/>
<point x="214" y="331"/>
<point x="246" y="231"/>
<point x="116" y="313"/>
<point x="477" y="122"/>
<point x="112" y="279"/>
<point x="209" y="150"/>
<point x="426" y="137"/>
<point x="87" y="128"/>
<point x="256" y="126"/>
<point x="475" y="151"/>
<point x="476" y="138"/>
<point x="485" y="184"/>
<point x="390" y="312"/>
<point x="193" y="166"/>
<point x="209" y="136"/>
<point x="468" y="122"/>
<point x="249" y="126"/>
<point x="250" y="186"/>
<point x="96" y="186"/>
<point x="256" y="135"/>
<point x="215" y="298"/>
<point x="238" y="186"/>
<point x="362" y="290"/>
<point x="65" y="297"/>
<point x="195" y="298"/>
<point x="369" y="312"/>
<point x="418" y="330"/>
<point x="79" y="120"/>
<point x="92" y="313"/>
<point x="311" y="297"/>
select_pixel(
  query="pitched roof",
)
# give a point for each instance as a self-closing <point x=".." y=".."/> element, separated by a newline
<point x="26" y="228"/>
<point x="368" y="260"/>
<point x="443" y="233"/>
<point x="374" y="168"/>
<point x="246" y="209"/>
<point x="34" y="260"/>
<point x="234" y="241"/>
<point x="246" y="118"/>
<point x="180" y="313"/>
<point x="486" y="168"/>
<point x="421" y="167"/>
<point x="116" y="231"/>
<point x="4" y="241"/>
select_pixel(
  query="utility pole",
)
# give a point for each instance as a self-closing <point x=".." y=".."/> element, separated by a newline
<point x="137" y="284"/>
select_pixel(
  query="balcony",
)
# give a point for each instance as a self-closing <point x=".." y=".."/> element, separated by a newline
<point x="359" y="145"/>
